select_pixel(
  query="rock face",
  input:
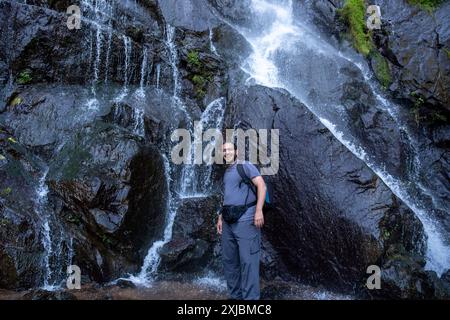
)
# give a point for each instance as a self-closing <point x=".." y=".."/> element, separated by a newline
<point x="337" y="217"/>
<point x="20" y="247"/>
<point x="194" y="236"/>
<point x="418" y="40"/>
<point x="413" y="40"/>
<point x="85" y="143"/>
<point x="106" y="186"/>
<point x="98" y="151"/>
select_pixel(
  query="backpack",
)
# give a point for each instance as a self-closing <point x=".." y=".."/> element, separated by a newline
<point x="269" y="200"/>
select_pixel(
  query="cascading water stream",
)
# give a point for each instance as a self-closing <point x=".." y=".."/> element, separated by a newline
<point x="289" y="55"/>
<point x="212" y="117"/>
<point x="54" y="240"/>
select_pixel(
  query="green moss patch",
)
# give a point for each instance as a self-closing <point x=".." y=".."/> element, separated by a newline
<point x="353" y="14"/>
<point x="428" y="5"/>
<point x="24" y="77"/>
<point x="381" y="69"/>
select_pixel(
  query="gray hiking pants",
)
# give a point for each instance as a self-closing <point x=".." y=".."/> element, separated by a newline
<point x="241" y="246"/>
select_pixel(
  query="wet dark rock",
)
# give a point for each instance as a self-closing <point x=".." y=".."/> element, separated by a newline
<point x="107" y="183"/>
<point x="125" y="284"/>
<point x="194" y="235"/>
<point x="417" y="40"/>
<point x="411" y="39"/>
<point x="403" y="278"/>
<point x="191" y="14"/>
<point x="223" y="36"/>
<point x="40" y="294"/>
<point x="27" y="47"/>
<point x="236" y="11"/>
<point x="20" y="244"/>
<point x="329" y="212"/>
<point x="115" y="203"/>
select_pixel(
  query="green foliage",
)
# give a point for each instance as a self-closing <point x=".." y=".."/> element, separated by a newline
<point x="428" y="5"/>
<point x="12" y="140"/>
<point x="6" y="191"/>
<point x="353" y="14"/>
<point x="381" y="69"/>
<point x="438" y="117"/>
<point x="2" y="157"/>
<point x="198" y="80"/>
<point x="447" y="51"/>
<point x="199" y="83"/>
<point x="418" y="104"/>
<point x="4" y="222"/>
<point x="106" y="240"/>
<point x="24" y="77"/>
<point x="385" y="234"/>
<point x="201" y="75"/>
<point x="193" y="59"/>
<point x="74" y="219"/>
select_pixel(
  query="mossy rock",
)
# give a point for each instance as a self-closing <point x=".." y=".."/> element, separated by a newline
<point x="428" y="5"/>
<point x="24" y="77"/>
<point x="381" y="69"/>
<point x="353" y="14"/>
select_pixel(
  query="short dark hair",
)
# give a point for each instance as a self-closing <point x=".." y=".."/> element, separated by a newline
<point x="234" y="144"/>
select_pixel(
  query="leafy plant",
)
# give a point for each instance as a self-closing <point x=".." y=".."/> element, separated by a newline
<point x="193" y="59"/>
<point x="447" y="51"/>
<point x="74" y="219"/>
<point x="4" y="222"/>
<point x="24" y="77"/>
<point x="6" y="191"/>
<point x="12" y="140"/>
<point x="428" y="5"/>
<point x="418" y="104"/>
<point x="198" y="80"/>
<point x="105" y="239"/>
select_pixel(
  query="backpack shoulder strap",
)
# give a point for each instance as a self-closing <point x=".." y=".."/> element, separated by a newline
<point x="245" y="179"/>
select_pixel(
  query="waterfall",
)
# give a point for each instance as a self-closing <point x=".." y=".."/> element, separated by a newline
<point x="144" y="67"/>
<point x="188" y="179"/>
<point x="127" y="49"/>
<point x="289" y="55"/>
<point x="212" y="48"/>
<point x="153" y="259"/>
<point x="212" y="117"/>
<point x="127" y="53"/>
<point x="138" y="119"/>
<point x="98" y="56"/>
<point x="158" y="71"/>
<point x="138" y="110"/>
<point x="98" y="14"/>
<point x="108" y="50"/>
<point x="53" y="240"/>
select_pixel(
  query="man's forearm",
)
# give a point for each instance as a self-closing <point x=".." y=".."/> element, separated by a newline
<point x="261" y="196"/>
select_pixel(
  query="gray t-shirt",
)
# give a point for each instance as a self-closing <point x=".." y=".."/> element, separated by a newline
<point x="233" y="195"/>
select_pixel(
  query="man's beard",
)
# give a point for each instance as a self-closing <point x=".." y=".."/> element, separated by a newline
<point x="229" y="164"/>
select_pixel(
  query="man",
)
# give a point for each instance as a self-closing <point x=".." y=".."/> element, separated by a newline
<point x="241" y="241"/>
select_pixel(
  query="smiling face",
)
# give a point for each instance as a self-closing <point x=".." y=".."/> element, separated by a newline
<point x="229" y="153"/>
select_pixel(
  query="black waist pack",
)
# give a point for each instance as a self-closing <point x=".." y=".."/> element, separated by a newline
<point x="231" y="214"/>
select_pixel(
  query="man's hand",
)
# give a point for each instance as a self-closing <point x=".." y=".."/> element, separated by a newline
<point x="259" y="218"/>
<point x="219" y="224"/>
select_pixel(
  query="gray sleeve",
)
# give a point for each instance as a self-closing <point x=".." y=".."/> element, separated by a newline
<point x="250" y="170"/>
